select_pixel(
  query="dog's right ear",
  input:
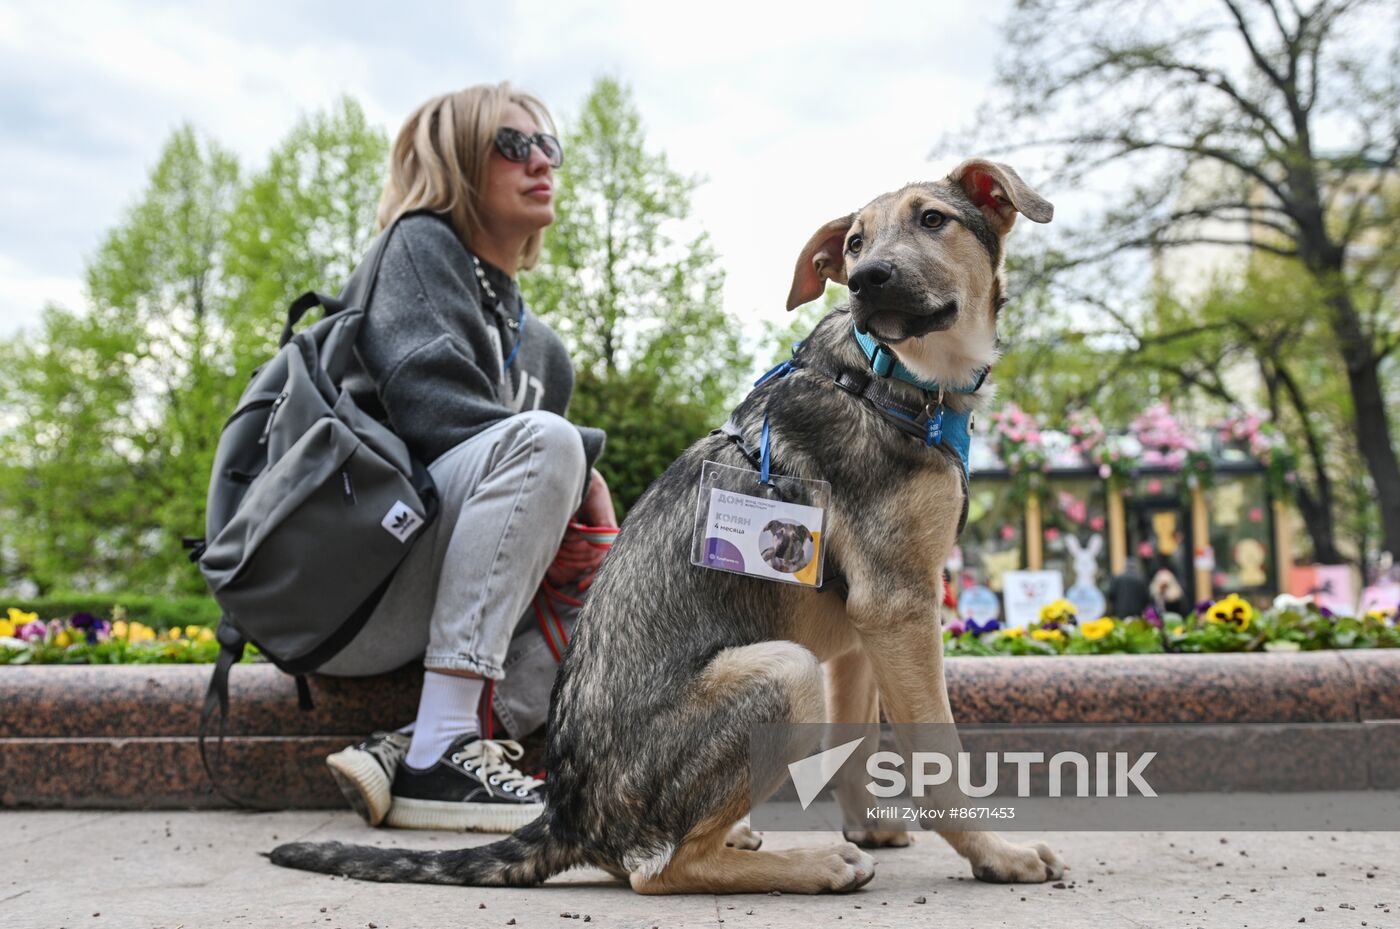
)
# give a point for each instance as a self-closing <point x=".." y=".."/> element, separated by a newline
<point x="821" y="260"/>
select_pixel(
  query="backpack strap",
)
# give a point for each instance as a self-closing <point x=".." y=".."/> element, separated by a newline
<point x="231" y="646"/>
<point x="350" y="296"/>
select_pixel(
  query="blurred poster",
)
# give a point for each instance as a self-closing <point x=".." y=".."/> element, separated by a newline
<point x="1330" y="586"/>
<point x="1025" y="592"/>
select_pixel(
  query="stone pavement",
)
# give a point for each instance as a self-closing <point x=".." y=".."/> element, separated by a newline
<point x="99" y="870"/>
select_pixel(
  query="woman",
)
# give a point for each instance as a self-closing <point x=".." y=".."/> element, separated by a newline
<point x="476" y="386"/>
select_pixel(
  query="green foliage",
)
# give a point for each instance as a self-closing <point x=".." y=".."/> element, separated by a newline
<point x="109" y="419"/>
<point x="647" y="428"/>
<point x="635" y="293"/>
<point x="156" y="612"/>
<point x="778" y="338"/>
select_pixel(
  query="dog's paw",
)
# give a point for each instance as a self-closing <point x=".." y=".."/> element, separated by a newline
<point x="1018" y="864"/>
<point x="848" y="867"/>
<point x="891" y="838"/>
<point x="741" y="836"/>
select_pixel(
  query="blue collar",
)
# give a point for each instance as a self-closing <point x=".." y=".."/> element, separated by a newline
<point x="941" y="426"/>
<point x="885" y="364"/>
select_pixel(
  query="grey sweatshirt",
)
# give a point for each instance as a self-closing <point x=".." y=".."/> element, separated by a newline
<point x="429" y="356"/>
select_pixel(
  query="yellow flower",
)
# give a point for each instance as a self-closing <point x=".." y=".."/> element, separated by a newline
<point x="1377" y="616"/>
<point x="1014" y="633"/>
<point x="1048" y="635"/>
<point x="206" y="635"/>
<point x="192" y="632"/>
<point x="63" y="639"/>
<point x="19" y="617"/>
<point x="172" y="633"/>
<point x="1234" y="610"/>
<point x="1097" y="628"/>
<point x="140" y="632"/>
<point x="119" y="630"/>
<point x="7" y="628"/>
<point x="1058" y="612"/>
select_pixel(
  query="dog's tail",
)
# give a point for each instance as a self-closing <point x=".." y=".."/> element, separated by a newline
<point x="527" y="857"/>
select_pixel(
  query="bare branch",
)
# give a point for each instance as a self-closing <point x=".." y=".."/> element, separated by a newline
<point x="1242" y="26"/>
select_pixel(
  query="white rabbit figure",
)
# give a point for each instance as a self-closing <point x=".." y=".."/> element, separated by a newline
<point x="1085" y="594"/>
<point x="1086" y="558"/>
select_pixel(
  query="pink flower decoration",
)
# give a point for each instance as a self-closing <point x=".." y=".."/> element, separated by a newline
<point x="1256" y="515"/>
<point x="1145" y="549"/>
<point x="1154" y="486"/>
<point x="1008" y="532"/>
<point x="1052" y="534"/>
<point x="1105" y="471"/>
<point x="1096" y="523"/>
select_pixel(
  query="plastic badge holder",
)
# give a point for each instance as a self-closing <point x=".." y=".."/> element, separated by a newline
<point x="772" y="531"/>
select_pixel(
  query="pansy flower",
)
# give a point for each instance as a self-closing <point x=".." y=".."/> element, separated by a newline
<point x="1234" y="610"/>
<point x="1048" y="635"/>
<point x="32" y="631"/>
<point x="1015" y="632"/>
<point x="987" y="625"/>
<point x="1059" y="613"/>
<point x="1097" y="628"/>
<point x="955" y="627"/>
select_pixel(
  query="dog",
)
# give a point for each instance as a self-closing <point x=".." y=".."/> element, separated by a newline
<point x="672" y="665"/>
<point x="788" y="553"/>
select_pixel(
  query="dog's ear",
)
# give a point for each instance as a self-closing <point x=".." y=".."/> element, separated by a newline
<point x="1000" y="194"/>
<point x="821" y="260"/>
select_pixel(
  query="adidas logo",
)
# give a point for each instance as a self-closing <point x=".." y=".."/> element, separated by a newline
<point x="400" y="521"/>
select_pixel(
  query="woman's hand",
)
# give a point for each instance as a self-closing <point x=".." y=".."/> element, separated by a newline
<point x="597" y="509"/>
<point x="578" y="556"/>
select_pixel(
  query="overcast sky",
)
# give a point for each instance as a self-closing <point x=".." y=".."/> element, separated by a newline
<point x="795" y="113"/>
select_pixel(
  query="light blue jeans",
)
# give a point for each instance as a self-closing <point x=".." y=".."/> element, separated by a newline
<point x="507" y="495"/>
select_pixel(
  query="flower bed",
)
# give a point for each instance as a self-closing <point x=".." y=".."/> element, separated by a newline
<point x="1230" y="625"/>
<point x="83" y="638"/>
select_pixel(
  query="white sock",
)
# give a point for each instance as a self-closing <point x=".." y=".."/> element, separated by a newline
<point x="446" y="712"/>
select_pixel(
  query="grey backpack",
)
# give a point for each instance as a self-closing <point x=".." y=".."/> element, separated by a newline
<point x="312" y="502"/>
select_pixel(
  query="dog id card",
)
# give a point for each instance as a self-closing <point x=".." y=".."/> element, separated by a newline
<point x="770" y="531"/>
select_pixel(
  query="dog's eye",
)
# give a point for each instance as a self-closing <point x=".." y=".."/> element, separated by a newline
<point x="932" y="219"/>
<point x="853" y="246"/>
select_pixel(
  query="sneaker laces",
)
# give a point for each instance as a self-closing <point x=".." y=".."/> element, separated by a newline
<point x="490" y="760"/>
<point x="387" y="748"/>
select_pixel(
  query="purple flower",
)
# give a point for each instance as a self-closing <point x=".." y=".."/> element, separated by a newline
<point x="1152" y="617"/>
<point x="83" y="621"/>
<point x="1326" y="613"/>
<point x="1204" y="606"/>
<point x="976" y="628"/>
<point x="954" y="626"/>
<point x="33" y="631"/>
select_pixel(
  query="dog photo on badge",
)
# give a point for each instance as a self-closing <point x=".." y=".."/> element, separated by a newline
<point x="786" y="546"/>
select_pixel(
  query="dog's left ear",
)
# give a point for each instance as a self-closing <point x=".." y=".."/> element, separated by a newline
<point x="1000" y="194"/>
<point x="821" y="260"/>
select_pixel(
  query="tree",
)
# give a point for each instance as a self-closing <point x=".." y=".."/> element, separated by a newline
<point x="635" y="292"/>
<point x="304" y="221"/>
<point x="1292" y="153"/>
<point x="109" y="419"/>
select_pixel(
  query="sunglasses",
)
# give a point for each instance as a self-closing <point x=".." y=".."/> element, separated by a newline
<point x="514" y="145"/>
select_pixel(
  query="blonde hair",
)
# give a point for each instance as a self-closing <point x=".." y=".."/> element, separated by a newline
<point x="439" y="159"/>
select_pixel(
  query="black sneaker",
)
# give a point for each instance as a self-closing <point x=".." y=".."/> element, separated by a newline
<point x="364" y="773"/>
<point x="472" y="787"/>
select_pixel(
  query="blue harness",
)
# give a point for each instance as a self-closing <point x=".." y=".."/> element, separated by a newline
<point x="933" y="423"/>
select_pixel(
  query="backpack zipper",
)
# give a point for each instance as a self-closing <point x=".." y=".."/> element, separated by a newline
<point x="271" y="415"/>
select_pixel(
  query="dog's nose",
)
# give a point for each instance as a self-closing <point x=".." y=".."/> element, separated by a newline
<point x="871" y="276"/>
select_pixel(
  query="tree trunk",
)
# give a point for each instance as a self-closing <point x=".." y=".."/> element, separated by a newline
<point x="1372" y="426"/>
